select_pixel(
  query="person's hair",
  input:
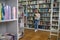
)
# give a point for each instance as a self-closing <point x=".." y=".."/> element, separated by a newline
<point x="36" y="10"/>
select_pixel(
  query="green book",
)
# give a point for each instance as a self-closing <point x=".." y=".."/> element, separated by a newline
<point x="0" y="11"/>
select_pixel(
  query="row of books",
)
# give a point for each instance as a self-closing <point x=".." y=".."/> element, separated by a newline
<point x="56" y="0"/>
<point x="39" y="26"/>
<point x="40" y="6"/>
<point x="54" y="27"/>
<point x="43" y="10"/>
<point x="45" y="19"/>
<point x="45" y="15"/>
<point x="30" y="15"/>
<point x="22" y="0"/>
<point x="55" y="13"/>
<point x="7" y="12"/>
<point x="54" y="10"/>
<point x="37" y="2"/>
<point x="30" y="22"/>
<point x="55" y="18"/>
<point x="47" y="27"/>
<point x="43" y="27"/>
<point x="41" y="1"/>
<point x="40" y="10"/>
<point x="48" y="10"/>
<point x="30" y="18"/>
<point x="55" y="24"/>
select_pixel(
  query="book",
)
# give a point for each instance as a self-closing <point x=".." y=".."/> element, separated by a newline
<point x="3" y="12"/>
<point x="14" y="12"/>
<point x="6" y="12"/>
<point x="0" y="11"/>
<point x="41" y="1"/>
<point x="9" y="12"/>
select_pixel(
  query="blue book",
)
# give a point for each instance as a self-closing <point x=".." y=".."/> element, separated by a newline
<point x="3" y="12"/>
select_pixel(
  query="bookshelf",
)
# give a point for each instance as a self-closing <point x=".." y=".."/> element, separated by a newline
<point x="8" y="18"/>
<point x="24" y="4"/>
<point x="49" y="14"/>
<point x="49" y="11"/>
<point x="44" y="9"/>
<point x="55" y="18"/>
<point x="22" y="19"/>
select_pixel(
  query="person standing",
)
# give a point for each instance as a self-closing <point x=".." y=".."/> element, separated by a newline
<point x="36" y="19"/>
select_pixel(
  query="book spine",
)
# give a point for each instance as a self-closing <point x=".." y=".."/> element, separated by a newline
<point x="6" y="13"/>
<point x="14" y="12"/>
<point x="3" y="12"/>
<point x="9" y="12"/>
<point x="0" y="11"/>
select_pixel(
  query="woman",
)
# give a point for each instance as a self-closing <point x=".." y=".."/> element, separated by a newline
<point x="36" y="19"/>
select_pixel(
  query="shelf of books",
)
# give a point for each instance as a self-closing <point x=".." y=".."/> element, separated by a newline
<point x="55" y="19"/>
<point x="23" y="3"/>
<point x="21" y="21"/>
<point x="8" y="19"/>
<point x="7" y="13"/>
<point x="44" y="7"/>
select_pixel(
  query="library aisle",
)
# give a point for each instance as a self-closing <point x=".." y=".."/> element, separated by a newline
<point x="49" y="24"/>
<point x="17" y="20"/>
